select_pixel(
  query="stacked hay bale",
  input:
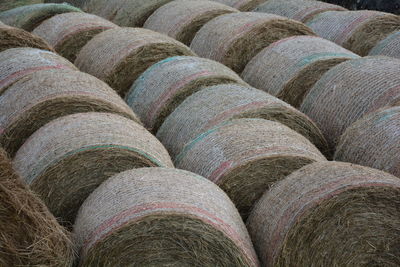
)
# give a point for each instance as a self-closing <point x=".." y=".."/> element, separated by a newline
<point x="119" y="56"/>
<point x="358" y="31"/>
<point x="290" y="67"/>
<point x="166" y="84"/>
<point x="242" y="5"/>
<point x="182" y="19"/>
<point x="392" y="6"/>
<point x="350" y="90"/>
<point x="30" y="235"/>
<point x="217" y="104"/>
<point x="69" y="32"/>
<point x="329" y="214"/>
<point x="233" y="39"/>
<point x="246" y="156"/>
<point x="390" y="46"/>
<point x="65" y="160"/>
<point x="373" y="141"/>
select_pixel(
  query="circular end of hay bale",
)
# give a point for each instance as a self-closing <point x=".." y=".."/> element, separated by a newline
<point x="182" y="19"/>
<point x="373" y="141"/>
<point x="290" y="67"/>
<point x="242" y="5"/>
<point x="69" y="32"/>
<point x="119" y="56"/>
<point x="390" y="46"/>
<point x="65" y="160"/>
<point x="29" y="17"/>
<point x="234" y="39"/>
<point x="30" y="233"/>
<point x="217" y="104"/>
<point x="166" y="84"/>
<point x="301" y="10"/>
<point x="16" y="63"/>
<point x="42" y="96"/>
<point x="246" y="156"/>
<point x="350" y="90"/>
<point x="329" y="213"/>
<point x="161" y="216"/>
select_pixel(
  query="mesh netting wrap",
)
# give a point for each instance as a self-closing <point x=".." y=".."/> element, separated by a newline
<point x="390" y="46"/>
<point x="242" y="5"/>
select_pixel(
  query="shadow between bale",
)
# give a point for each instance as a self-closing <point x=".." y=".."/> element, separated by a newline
<point x="242" y="5"/>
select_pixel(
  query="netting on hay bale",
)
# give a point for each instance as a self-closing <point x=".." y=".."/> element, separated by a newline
<point x="242" y="5"/>
<point x="119" y="56"/>
<point x="234" y="39"/>
<point x="166" y="84"/>
<point x="290" y="67"/>
<point x="358" y="31"/>
<point x="217" y="104"/>
<point x="182" y="19"/>
<point x="161" y="217"/>
<point x="329" y="214"/>
<point x="246" y="156"/>
<point x="390" y="46"/>
<point x="68" y="33"/>
<point x="65" y="160"/>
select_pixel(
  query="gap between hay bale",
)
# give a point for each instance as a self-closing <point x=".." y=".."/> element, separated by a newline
<point x="242" y="5"/>
<point x="390" y="46"/>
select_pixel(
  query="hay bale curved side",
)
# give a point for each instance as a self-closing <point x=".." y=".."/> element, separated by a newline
<point x="69" y="32"/>
<point x="217" y="104"/>
<point x="350" y="90"/>
<point x="182" y="19"/>
<point x="234" y="39"/>
<point x="45" y="95"/>
<point x="188" y="219"/>
<point x="389" y="46"/>
<point x="65" y="160"/>
<point x="246" y="156"/>
<point x="242" y="5"/>
<point x="166" y="84"/>
<point x="373" y="141"/>
<point x="290" y="67"/>
<point x="30" y="234"/>
<point x="329" y="214"/>
<point x="119" y="56"/>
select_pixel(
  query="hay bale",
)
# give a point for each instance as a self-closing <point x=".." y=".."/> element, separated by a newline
<point x="350" y="90"/>
<point x="182" y="19"/>
<point x="246" y="156"/>
<point x="30" y="235"/>
<point x="65" y="160"/>
<point x="78" y="3"/>
<point x="69" y="32"/>
<point x="166" y="84"/>
<point x="119" y="56"/>
<point x="217" y="104"/>
<point x="373" y="141"/>
<point x="390" y="46"/>
<point x="233" y="39"/>
<point x="16" y="63"/>
<point x="301" y="10"/>
<point x="29" y="17"/>
<point x="161" y="217"/>
<point x="289" y="68"/>
<point x="329" y="214"/>
<point x="242" y="5"/>
<point x="358" y="31"/>
<point x="45" y="95"/>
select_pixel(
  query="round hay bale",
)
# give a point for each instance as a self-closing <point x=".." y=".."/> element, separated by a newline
<point x="358" y="31"/>
<point x="233" y="39"/>
<point x="30" y="235"/>
<point x="289" y="68"/>
<point x="373" y="141"/>
<point x="65" y="160"/>
<point x="69" y="32"/>
<point x="166" y="84"/>
<point x="389" y="46"/>
<point x="161" y="217"/>
<point x="11" y="37"/>
<point x="329" y="214"/>
<point x="45" y="95"/>
<point x="182" y="19"/>
<point x="217" y="104"/>
<point x="16" y="63"/>
<point x="119" y="56"/>
<point x="350" y="90"/>
<point x="242" y="5"/>
<point x="29" y="17"/>
<point x="301" y="10"/>
<point x="246" y="156"/>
